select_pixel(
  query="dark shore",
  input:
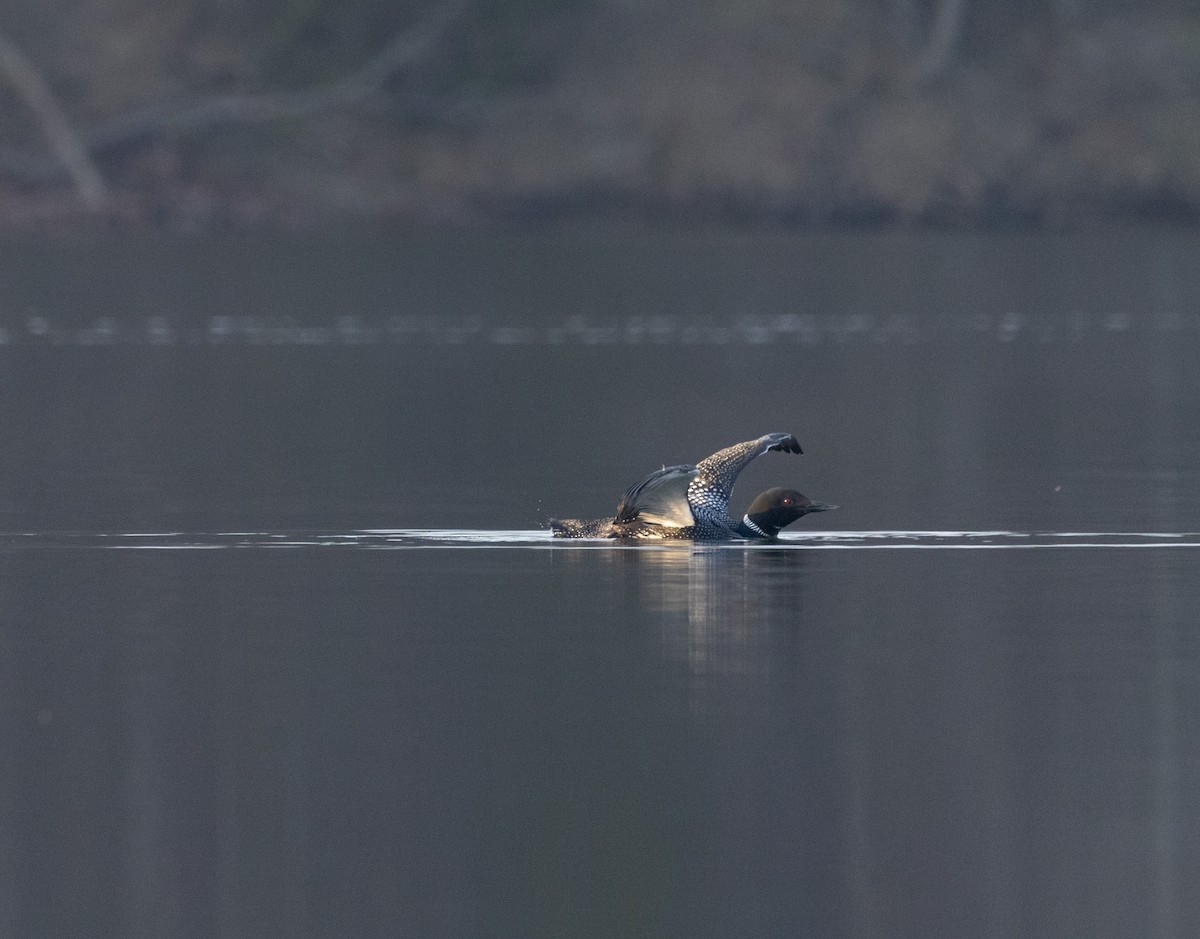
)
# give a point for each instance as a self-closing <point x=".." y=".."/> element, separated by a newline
<point x="799" y="114"/>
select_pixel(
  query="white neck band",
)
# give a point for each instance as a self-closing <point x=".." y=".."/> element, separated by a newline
<point x="749" y="524"/>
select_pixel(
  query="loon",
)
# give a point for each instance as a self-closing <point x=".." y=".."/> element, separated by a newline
<point x="693" y="501"/>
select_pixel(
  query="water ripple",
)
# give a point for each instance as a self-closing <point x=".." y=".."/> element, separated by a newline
<point x="413" y="538"/>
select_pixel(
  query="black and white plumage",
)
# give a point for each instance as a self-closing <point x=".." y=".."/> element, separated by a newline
<point x="693" y="501"/>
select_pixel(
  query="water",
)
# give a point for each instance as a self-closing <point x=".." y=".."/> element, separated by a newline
<point x="285" y="648"/>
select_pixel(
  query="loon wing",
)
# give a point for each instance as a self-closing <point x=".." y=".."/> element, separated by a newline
<point x="720" y="471"/>
<point x="659" y="499"/>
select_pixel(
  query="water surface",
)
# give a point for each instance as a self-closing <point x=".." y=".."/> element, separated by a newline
<point x="286" y="648"/>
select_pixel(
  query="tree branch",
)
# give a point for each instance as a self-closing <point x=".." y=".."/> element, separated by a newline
<point x="945" y="35"/>
<point x="63" y="140"/>
<point x="403" y="51"/>
<point x="410" y="46"/>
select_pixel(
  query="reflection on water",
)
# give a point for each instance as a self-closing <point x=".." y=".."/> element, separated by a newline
<point x="720" y="612"/>
<point x="717" y="610"/>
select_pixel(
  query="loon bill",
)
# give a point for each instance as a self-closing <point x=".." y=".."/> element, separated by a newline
<point x="693" y="501"/>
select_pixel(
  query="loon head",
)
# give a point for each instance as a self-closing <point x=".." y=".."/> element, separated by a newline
<point x="777" y="508"/>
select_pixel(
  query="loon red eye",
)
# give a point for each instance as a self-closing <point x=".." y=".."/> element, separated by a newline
<point x="787" y="501"/>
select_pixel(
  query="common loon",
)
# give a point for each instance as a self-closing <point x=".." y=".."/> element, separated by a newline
<point x="693" y="501"/>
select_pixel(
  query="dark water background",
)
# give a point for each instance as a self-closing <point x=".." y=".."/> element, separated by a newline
<point x="311" y="731"/>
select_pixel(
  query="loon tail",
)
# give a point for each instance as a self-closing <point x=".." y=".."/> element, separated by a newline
<point x="580" y="528"/>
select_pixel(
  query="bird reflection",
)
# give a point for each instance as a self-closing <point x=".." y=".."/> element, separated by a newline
<point x="724" y="614"/>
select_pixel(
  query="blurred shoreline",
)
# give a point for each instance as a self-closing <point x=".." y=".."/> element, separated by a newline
<point x="803" y="115"/>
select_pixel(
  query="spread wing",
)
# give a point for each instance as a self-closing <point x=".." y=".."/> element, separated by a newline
<point x="659" y="499"/>
<point x="720" y="471"/>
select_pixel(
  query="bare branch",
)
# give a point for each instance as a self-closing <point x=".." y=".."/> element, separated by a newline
<point x="63" y="140"/>
<point x="410" y="46"/>
<point x="945" y="34"/>
<point x="403" y="51"/>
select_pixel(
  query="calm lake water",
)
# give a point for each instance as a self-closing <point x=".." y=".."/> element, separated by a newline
<point x="286" y="650"/>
